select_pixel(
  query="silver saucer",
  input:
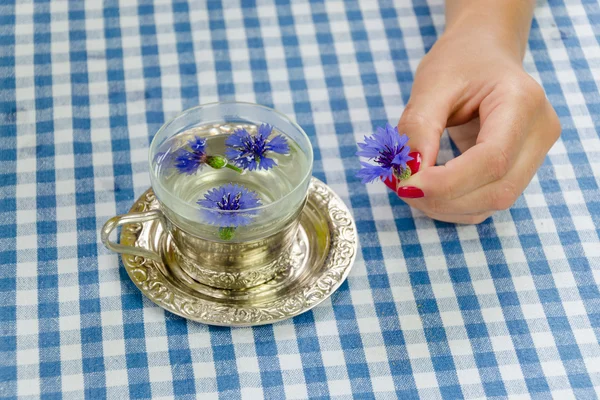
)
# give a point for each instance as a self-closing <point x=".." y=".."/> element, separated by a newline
<point x="318" y="263"/>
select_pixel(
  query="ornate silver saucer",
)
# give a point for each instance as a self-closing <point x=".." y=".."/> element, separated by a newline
<point x="320" y="260"/>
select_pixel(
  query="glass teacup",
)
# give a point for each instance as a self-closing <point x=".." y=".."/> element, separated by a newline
<point x="231" y="180"/>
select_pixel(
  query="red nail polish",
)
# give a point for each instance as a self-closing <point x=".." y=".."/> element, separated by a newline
<point x="414" y="166"/>
<point x="415" y="163"/>
<point x="391" y="183"/>
<point x="410" y="192"/>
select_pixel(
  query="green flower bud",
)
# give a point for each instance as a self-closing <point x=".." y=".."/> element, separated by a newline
<point x="217" y="162"/>
<point x="404" y="174"/>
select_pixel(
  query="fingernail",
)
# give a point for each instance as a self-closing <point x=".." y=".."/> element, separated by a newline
<point x="410" y="192"/>
<point x="391" y="183"/>
<point x="415" y="163"/>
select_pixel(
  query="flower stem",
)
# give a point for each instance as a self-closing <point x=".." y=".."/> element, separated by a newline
<point x="233" y="167"/>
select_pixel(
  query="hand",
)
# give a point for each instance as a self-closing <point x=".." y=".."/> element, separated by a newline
<point x="472" y="82"/>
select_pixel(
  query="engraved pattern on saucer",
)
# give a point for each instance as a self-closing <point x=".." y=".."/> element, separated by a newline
<point x="319" y="262"/>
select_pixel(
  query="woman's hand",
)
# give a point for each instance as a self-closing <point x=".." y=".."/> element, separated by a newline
<point x="472" y="81"/>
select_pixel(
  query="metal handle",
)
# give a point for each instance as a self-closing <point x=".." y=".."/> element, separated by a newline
<point x="124" y="219"/>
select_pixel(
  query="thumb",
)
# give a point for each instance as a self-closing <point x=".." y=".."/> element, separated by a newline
<point x="424" y="120"/>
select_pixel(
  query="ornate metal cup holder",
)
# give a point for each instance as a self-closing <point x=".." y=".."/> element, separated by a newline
<point x="318" y="263"/>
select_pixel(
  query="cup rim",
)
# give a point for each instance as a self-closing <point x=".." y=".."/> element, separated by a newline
<point x="156" y="181"/>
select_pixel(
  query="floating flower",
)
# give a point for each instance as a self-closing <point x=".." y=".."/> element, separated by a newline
<point x="389" y="150"/>
<point x="189" y="162"/>
<point x="225" y="205"/>
<point x="250" y="152"/>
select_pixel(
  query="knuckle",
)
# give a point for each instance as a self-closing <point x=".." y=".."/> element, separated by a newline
<point x="539" y="94"/>
<point x="525" y="90"/>
<point x="533" y="91"/>
<point x="505" y="196"/>
<point x="412" y="117"/>
<point x="555" y="127"/>
<point x="499" y="163"/>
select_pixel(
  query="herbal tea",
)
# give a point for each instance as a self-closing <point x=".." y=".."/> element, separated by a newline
<point x="223" y="169"/>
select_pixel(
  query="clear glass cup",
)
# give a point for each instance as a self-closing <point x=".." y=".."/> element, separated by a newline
<point x="253" y="252"/>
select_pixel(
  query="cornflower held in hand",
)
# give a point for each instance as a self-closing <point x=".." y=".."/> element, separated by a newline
<point x="389" y="151"/>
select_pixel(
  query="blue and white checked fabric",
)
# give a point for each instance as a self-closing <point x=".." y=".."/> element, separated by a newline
<point x="509" y="308"/>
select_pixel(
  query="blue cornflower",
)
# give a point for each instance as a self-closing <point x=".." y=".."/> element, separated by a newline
<point x="224" y="204"/>
<point x="190" y="161"/>
<point x="249" y="152"/>
<point x="389" y="150"/>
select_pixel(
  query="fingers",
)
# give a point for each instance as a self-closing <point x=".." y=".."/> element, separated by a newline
<point x="498" y="195"/>
<point x="425" y="116"/>
<point x="518" y="126"/>
<point x="478" y="166"/>
<point x="464" y="219"/>
<point x="414" y="165"/>
<point x="465" y="136"/>
<point x="503" y="128"/>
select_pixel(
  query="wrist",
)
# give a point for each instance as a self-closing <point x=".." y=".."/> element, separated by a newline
<point x="502" y="24"/>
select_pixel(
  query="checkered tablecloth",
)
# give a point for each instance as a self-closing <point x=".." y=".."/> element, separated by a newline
<point x="509" y="308"/>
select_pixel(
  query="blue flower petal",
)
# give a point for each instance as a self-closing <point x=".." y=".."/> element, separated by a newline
<point x="188" y="162"/>
<point x="388" y="149"/>
<point x="237" y="138"/>
<point x="279" y="144"/>
<point x="226" y="206"/>
<point x="265" y="130"/>
<point x="250" y="152"/>
<point x="402" y="158"/>
<point x="232" y="153"/>
<point x="197" y="144"/>
<point x="369" y="173"/>
<point x="248" y="163"/>
<point x="267" y="163"/>
<point x="249" y="201"/>
<point x="367" y="150"/>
